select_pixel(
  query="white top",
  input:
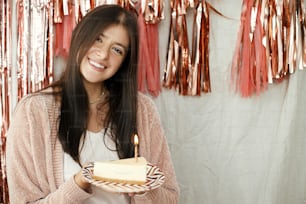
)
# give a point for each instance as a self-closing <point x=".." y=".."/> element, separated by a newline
<point x="94" y="149"/>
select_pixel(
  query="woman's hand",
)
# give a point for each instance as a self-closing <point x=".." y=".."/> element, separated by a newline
<point x="82" y="182"/>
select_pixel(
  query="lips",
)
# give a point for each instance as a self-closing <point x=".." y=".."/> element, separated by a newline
<point x="96" y="65"/>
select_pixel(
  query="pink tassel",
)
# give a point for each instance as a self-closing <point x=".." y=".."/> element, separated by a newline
<point x="63" y="32"/>
<point x="244" y="84"/>
<point x="249" y="68"/>
<point x="148" y="64"/>
<point x="143" y="55"/>
<point x="153" y="74"/>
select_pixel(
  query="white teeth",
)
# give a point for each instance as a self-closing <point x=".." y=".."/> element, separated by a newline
<point x="96" y="64"/>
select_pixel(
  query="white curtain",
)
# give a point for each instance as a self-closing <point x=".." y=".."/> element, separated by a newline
<point x="232" y="150"/>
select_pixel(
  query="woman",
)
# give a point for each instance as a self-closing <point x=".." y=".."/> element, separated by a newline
<point x="90" y="114"/>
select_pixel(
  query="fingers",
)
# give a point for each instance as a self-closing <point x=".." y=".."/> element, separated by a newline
<point x="138" y="193"/>
<point x="82" y="182"/>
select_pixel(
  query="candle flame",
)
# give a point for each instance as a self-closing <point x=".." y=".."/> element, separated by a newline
<point x="136" y="141"/>
<point x="136" y="146"/>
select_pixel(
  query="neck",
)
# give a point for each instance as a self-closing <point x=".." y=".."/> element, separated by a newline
<point x="97" y="99"/>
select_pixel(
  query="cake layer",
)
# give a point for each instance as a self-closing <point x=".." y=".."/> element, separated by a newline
<point x="127" y="171"/>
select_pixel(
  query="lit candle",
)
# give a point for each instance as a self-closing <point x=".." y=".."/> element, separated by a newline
<point x="136" y="142"/>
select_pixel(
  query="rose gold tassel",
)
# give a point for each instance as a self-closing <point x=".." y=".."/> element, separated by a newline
<point x="194" y="78"/>
<point x="282" y="70"/>
<point x="189" y="73"/>
<point x="23" y="42"/>
<point x="169" y="77"/>
<point x="204" y="44"/>
<point x="170" y="69"/>
<point x="300" y="26"/>
<point x="153" y="10"/>
<point x="5" y="86"/>
<point x="264" y="19"/>
<point x="76" y="10"/>
<point x="260" y="78"/>
<point x="35" y="39"/>
<point x="291" y="47"/>
<point x="177" y="68"/>
<point x="86" y="6"/>
<point x="199" y="79"/>
<point x="282" y="33"/>
<point x="50" y="46"/>
<point x="303" y="29"/>
<point x="38" y="28"/>
<point x="5" y="109"/>
<point x="58" y="12"/>
<point x="184" y="56"/>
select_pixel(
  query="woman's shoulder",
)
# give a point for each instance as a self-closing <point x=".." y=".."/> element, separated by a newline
<point x="36" y="100"/>
<point x="146" y="104"/>
<point x="145" y="100"/>
<point x="36" y="97"/>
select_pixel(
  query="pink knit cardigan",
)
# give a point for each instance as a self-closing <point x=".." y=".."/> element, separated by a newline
<point x="35" y="155"/>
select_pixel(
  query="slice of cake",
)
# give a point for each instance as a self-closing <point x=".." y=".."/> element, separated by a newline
<point x="127" y="171"/>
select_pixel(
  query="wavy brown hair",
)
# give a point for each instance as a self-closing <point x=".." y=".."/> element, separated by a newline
<point x="122" y="87"/>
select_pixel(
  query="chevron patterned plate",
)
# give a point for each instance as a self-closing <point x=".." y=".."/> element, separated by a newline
<point x="155" y="178"/>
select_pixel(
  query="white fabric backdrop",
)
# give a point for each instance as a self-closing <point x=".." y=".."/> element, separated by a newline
<point x="232" y="150"/>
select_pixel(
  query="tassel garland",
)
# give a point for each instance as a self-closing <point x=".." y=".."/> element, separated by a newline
<point x="186" y="72"/>
<point x="271" y="44"/>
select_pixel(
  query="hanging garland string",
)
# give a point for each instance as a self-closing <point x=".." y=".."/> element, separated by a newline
<point x="271" y="44"/>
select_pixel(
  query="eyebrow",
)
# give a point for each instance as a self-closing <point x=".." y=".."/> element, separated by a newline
<point x="117" y="43"/>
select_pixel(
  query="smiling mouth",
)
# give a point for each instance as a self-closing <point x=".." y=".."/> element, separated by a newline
<point x="95" y="64"/>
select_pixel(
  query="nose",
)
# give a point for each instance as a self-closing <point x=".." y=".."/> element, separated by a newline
<point x="103" y="52"/>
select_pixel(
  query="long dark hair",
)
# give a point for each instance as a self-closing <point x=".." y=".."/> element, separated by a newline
<point x="122" y="87"/>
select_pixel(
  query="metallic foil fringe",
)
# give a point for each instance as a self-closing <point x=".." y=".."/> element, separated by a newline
<point x="271" y="44"/>
<point x="186" y="72"/>
<point x="5" y="86"/>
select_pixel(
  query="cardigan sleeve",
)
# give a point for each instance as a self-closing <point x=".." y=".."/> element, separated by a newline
<point x="29" y="179"/>
<point x="154" y="148"/>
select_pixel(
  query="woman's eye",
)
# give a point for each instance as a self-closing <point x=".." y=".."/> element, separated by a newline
<point x="118" y="50"/>
<point x="99" y="39"/>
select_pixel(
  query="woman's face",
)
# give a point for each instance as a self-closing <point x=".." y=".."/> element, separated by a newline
<point x="106" y="55"/>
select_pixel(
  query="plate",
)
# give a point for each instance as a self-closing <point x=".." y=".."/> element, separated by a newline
<point x="155" y="178"/>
